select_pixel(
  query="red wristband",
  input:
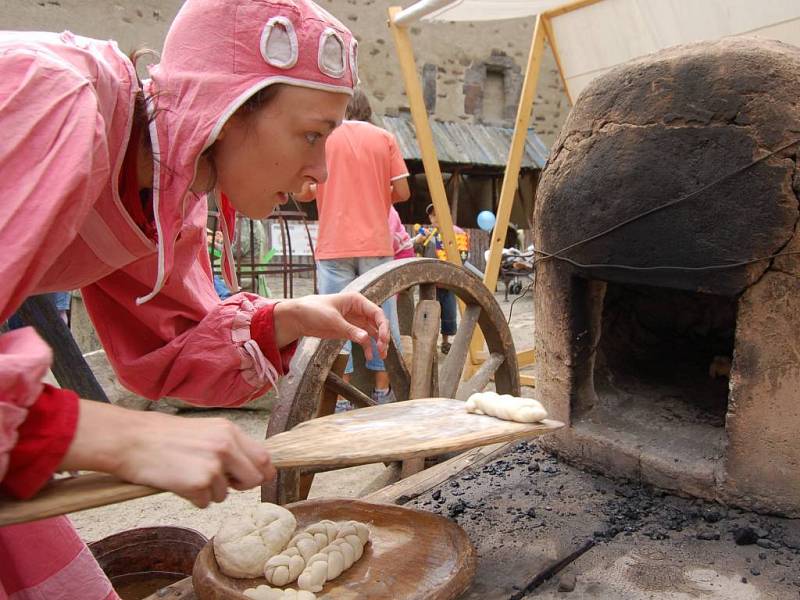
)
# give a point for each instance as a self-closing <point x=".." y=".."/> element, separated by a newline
<point x="262" y="330"/>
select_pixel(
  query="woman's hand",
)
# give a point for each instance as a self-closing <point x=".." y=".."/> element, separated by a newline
<point x="198" y="459"/>
<point x="346" y="316"/>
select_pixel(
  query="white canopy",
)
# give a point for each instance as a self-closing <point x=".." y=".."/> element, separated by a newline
<point x="490" y="10"/>
<point x="599" y="36"/>
<point x="594" y="38"/>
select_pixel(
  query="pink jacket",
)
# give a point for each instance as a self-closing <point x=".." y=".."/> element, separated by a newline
<point x="66" y="108"/>
<point x="64" y="227"/>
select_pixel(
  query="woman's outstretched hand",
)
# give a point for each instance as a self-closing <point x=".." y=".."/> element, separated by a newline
<point x="198" y="459"/>
<point x="346" y="316"/>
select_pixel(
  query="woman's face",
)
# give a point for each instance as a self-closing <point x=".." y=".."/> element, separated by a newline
<point x="262" y="156"/>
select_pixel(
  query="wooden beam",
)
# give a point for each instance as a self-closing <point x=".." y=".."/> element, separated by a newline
<point x="419" y="116"/>
<point x="424" y="379"/>
<point x="424" y="336"/>
<point x="416" y="485"/>
<point x="569" y="7"/>
<point x="511" y="177"/>
<point x="551" y="39"/>
<point x="397" y="370"/>
<point x="457" y="357"/>
<point x="482" y="377"/>
<point x="525" y="358"/>
<point x="326" y="406"/>
<point x="348" y="391"/>
<point x="69" y="367"/>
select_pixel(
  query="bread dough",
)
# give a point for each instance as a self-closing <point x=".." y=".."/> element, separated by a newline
<point x="244" y="543"/>
<point x="264" y="592"/>
<point x="336" y="557"/>
<point x="506" y="407"/>
<point x="285" y="567"/>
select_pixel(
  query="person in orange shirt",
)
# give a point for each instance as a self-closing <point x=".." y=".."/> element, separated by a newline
<point x="366" y="175"/>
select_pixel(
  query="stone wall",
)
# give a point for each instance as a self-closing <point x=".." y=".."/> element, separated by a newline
<point x="472" y="71"/>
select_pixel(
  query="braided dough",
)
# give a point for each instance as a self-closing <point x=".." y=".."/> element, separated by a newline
<point x="244" y="543"/>
<point x="334" y="558"/>
<point x="264" y="592"/>
<point x="289" y="564"/>
<point x="506" y="407"/>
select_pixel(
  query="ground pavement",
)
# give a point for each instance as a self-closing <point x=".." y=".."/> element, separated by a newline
<point x="527" y="513"/>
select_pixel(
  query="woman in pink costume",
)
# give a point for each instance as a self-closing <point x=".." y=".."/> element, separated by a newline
<point x="104" y="181"/>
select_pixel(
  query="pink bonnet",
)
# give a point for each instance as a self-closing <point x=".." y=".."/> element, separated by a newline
<point x="217" y="54"/>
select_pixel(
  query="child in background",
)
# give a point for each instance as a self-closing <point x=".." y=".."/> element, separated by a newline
<point x="428" y="242"/>
<point x="402" y="243"/>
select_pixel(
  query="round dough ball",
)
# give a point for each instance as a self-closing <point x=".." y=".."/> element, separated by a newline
<point x="244" y="543"/>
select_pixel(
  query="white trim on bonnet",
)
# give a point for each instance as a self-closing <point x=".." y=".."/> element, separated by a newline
<point x="354" y="60"/>
<point x="244" y="96"/>
<point x="326" y="35"/>
<point x="293" y="45"/>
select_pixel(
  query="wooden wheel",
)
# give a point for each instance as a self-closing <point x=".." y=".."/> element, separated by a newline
<point x="313" y="376"/>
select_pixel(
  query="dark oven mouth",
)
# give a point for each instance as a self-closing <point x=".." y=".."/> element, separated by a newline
<point x="661" y="368"/>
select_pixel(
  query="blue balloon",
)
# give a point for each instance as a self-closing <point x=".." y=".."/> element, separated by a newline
<point x="486" y="220"/>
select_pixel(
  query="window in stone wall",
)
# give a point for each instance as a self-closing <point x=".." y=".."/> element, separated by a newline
<point x="494" y="97"/>
<point x="492" y="88"/>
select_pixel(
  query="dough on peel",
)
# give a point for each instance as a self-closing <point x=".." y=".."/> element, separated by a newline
<point x="336" y="557"/>
<point x="264" y="592"/>
<point x="349" y="536"/>
<point x="506" y="407"/>
<point x="244" y="543"/>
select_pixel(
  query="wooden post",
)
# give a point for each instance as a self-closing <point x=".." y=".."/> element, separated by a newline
<point x="419" y="116"/>
<point x="511" y="177"/>
<point x="69" y="366"/>
<point x="551" y="39"/>
<point x="326" y="406"/>
<point x="568" y="7"/>
<point x="425" y="333"/>
<point x="510" y="180"/>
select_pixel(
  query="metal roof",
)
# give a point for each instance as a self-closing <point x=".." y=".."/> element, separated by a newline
<point x="466" y="144"/>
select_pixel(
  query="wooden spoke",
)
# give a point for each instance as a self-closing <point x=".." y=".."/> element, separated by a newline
<point x="427" y="291"/>
<point x="301" y="482"/>
<point x="482" y="377"/>
<point x="328" y="397"/>
<point x="424" y="380"/>
<point x="347" y="391"/>
<point x="453" y="367"/>
<point x="399" y="376"/>
<point x="425" y="333"/>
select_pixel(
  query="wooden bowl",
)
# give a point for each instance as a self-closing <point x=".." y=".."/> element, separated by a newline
<point x="412" y="555"/>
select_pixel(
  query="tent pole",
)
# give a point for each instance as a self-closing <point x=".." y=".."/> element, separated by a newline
<point x="511" y="176"/>
<point x="551" y="39"/>
<point x="419" y="115"/>
<point x="569" y="7"/>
